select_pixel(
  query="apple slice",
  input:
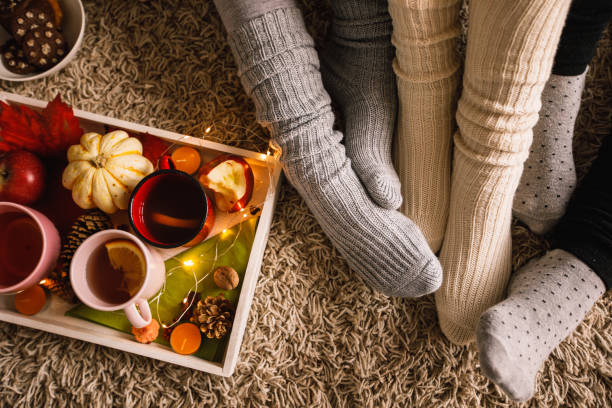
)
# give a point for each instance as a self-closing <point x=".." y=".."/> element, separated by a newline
<point x="231" y="178"/>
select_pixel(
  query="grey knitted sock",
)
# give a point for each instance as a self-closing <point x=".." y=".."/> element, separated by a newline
<point x="356" y="65"/>
<point x="549" y="174"/>
<point x="234" y="13"/>
<point x="279" y="69"/>
<point x="547" y="300"/>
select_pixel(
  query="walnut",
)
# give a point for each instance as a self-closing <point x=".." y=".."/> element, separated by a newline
<point x="226" y="277"/>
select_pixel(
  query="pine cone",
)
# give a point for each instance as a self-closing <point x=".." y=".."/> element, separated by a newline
<point x="214" y="315"/>
<point x="86" y="225"/>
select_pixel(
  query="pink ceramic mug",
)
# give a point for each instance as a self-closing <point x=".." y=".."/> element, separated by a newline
<point x="49" y="249"/>
<point x="89" y="253"/>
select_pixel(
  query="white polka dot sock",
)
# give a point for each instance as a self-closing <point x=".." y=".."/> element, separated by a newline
<point x="547" y="300"/>
<point x="549" y="175"/>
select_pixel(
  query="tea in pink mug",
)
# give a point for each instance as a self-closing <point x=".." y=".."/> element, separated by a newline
<point x="29" y="247"/>
<point x="102" y="287"/>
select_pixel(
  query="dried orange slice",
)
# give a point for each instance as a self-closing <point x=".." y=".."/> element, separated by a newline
<point x="125" y="256"/>
<point x="175" y="222"/>
<point x="57" y="10"/>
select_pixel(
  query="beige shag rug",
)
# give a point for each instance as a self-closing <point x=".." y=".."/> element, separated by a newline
<point x="316" y="335"/>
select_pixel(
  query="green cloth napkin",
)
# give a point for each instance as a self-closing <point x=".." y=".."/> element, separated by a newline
<point x="231" y="247"/>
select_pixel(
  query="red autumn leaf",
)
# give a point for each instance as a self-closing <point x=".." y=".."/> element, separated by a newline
<point x="21" y="128"/>
<point x="63" y="129"/>
<point x="152" y="147"/>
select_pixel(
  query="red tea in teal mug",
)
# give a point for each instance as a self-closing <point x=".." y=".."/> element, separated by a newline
<point x="169" y="208"/>
<point x="29" y="247"/>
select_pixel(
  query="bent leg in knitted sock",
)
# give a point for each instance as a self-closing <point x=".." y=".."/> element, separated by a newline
<point x="510" y="49"/>
<point x="356" y="69"/>
<point x="426" y="64"/>
<point x="279" y="69"/>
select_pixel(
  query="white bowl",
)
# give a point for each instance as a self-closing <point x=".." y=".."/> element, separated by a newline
<point x="73" y="29"/>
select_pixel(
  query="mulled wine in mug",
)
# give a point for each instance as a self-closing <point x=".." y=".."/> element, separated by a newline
<point x="169" y="208"/>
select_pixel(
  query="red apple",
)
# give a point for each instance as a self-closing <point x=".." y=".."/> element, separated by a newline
<point x="231" y="178"/>
<point x="22" y="177"/>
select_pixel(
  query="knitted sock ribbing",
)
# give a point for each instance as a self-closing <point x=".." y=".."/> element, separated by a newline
<point x="279" y="69"/>
<point x="357" y="72"/>
<point x="510" y="50"/>
<point x="426" y="64"/>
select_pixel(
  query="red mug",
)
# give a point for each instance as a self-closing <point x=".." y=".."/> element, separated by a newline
<point x="169" y="208"/>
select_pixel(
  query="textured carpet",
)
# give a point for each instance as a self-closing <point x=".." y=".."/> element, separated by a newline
<point x="316" y="336"/>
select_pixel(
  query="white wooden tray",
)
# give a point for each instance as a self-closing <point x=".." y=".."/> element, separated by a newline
<point x="52" y="318"/>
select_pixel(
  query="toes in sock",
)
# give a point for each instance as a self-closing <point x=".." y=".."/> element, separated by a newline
<point x="547" y="300"/>
<point x="279" y="70"/>
<point x="357" y="72"/>
<point x="549" y="176"/>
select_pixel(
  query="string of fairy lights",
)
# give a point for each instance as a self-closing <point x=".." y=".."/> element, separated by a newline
<point x="273" y="152"/>
<point x="270" y="159"/>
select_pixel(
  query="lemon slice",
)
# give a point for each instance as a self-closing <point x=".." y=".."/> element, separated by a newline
<point x="125" y="256"/>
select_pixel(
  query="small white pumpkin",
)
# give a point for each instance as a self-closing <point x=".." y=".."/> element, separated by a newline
<point x="103" y="170"/>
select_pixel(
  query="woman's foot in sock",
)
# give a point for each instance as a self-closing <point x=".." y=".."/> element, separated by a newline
<point x="547" y="300"/>
<point x="549" y="175"/>
<point x="279" y="69"/>
<point x="357" y="72"/>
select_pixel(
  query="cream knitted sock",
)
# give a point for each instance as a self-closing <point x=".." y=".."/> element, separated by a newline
<point x="426" y="65"/>
<point x="510" y="50"/>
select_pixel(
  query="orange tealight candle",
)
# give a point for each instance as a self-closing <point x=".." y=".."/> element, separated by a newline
<point x="186" y="338"/>
<point x="31" y="300"/>
<point x="186" y="159"/>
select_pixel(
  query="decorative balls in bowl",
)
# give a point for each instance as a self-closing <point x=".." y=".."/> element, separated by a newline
<point x="38" y="37"/>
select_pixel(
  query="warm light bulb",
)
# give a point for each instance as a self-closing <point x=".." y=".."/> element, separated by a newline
<point x="208" y="129"/>
<point x="224" y="231"/>
<point x="263" y="156"/>
<point x="188" y="262"/>
<point x="42" y="282"/>
<point x="244" y="216"/>
<point x="185" y="300"/>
